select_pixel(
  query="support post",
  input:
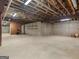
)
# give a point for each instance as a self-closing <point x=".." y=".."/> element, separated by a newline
<point x="0" y="30"/>
<point x="2" y="3"/>
<point x="24" y="29"/>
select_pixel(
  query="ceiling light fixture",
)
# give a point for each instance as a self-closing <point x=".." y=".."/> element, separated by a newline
<point x="65" y="19"/>
<point x="14" y="14"/>
<point x="27" y="2"/>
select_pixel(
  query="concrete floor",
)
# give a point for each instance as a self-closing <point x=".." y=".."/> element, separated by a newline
<point x="29" y="47"/>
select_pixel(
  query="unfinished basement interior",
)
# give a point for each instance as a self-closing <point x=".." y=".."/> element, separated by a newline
<point x="39" y="29"/>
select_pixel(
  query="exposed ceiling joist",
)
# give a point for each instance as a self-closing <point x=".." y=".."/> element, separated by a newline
<point x="71" y="6"/>
<point x="52" y="11"/>
<point x="63" y="6"/>
<point x="46" y="10"/>
<point x="52" y="3"/>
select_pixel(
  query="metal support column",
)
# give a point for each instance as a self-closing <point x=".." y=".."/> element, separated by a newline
<point x="2" y="3"/>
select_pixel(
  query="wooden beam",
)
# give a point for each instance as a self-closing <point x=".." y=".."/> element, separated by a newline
<point x="52" y="11"/>
<point x="71" y="6"/>
<point x="63" y="6"/>
<point x="38" y="7"/>
<point x="45" y="10"/>
<point x="10" y="1"/>
<point x="48" y="3"/>
<point x="52" y="3"/>
<point x="27" y="12"/>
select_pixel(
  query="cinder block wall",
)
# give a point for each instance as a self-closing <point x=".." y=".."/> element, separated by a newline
<point x="32" y="28"/>
<point x="67" y="28"/>
<point x="46" y="28"/>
